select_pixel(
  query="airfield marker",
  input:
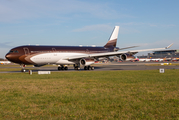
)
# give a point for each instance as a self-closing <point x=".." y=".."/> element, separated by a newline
<point x="30" y="72"/>
<point x="44" y="72"/>
<point x="162" y="70"/>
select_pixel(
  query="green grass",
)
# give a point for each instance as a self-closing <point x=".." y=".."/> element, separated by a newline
<point x="90" y="95"/>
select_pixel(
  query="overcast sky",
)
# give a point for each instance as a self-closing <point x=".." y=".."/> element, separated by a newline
<point x="148" y="23"/>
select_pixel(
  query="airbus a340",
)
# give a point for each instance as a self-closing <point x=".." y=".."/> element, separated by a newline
<point x="38" y="55"/>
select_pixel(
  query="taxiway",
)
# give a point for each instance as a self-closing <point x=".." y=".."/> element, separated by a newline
<point x="102" y="67"/>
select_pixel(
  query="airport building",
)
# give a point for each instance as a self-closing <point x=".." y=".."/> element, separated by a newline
<point x="164" y="54"/>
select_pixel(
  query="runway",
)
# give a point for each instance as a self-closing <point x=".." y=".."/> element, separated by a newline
<point x="100" y="67"/>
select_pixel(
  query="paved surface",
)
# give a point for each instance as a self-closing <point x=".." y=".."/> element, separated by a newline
<point x="103" y="67"/>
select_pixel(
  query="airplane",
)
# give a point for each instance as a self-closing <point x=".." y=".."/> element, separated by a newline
<point x="157" y="59"/>
<point x="77" y="56"/>
<point x="4" y="62"/>
<point x="144" y="60"/>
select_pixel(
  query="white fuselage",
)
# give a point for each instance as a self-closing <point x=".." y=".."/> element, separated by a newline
<point x="54" y="58"/>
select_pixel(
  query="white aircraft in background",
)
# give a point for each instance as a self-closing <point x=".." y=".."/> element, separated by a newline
<point x="5" y="62"/>
<point x="157" y="59"/>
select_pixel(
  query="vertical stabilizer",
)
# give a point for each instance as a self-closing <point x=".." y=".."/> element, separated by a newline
<point x="113" y="39"/>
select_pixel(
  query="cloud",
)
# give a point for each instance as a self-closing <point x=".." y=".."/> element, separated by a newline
<point x="16" y="10"/>
<point x="5" y="45"/>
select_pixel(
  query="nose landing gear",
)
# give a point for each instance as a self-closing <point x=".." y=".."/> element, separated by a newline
<point x="23" y="68"/>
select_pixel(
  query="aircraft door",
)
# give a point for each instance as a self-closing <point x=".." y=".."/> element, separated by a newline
<point x="87" y="51"/>
<point x="26" y="51"/>
<point x="54" y="50"/>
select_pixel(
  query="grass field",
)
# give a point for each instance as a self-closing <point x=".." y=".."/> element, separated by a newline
<point x="90" y="95"/>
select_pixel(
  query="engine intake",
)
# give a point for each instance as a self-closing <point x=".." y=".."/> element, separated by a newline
<point x="123" y="57"/>
<point x="86" y="62"/>
<point x="82" y="61"/>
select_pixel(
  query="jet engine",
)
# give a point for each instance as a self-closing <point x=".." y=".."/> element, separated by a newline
<point x="123" y="57"/>
<point x="86" y="61"/>
<point x="126" y="57"/>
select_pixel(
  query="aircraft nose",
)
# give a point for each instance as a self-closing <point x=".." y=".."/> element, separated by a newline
<point x="12" y="57"/>
<point x="7" y="56"/>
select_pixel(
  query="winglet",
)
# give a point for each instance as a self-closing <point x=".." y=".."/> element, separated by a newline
<point x="169" y="46"/>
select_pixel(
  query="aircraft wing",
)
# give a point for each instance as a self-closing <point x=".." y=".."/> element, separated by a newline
<point x="98" y="55"/>
<point x="127" y="47"/>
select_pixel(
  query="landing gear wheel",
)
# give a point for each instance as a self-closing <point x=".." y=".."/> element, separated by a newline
<point x="92" y="67"/>
<point x="65" y="68"/>
<point x="59" y="68"/>
<point x="85" y="68"/>
<point x="88" y="68"/>
<point x="23" y="70"/>
<point x="62" y="67"/>
<point x="77" y="68"/>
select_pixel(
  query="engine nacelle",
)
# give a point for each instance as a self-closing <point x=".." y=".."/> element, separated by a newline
<point x="126" y="57"/>
<point x="123" y="57"/>
<point x="86" y="62"/>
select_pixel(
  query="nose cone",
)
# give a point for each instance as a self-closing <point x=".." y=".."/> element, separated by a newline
<point x="13" y="58"/>
<point x="7" y="56"/>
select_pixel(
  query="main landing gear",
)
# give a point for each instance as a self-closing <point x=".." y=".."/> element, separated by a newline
<point x="88" y="68"/>
<point x="63" y="67"/>
<point x="77" y="67"/>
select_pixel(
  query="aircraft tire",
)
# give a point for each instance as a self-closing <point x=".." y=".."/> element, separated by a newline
<point x="66" y="68"/>
<point x="62" y="68"/>
<point x="85" y="68"/>
<point x="92" y="67"/>
<point x="23" y="70"/>
<point x="89" y="68"/>
<point x="75" y="68"/>
<point x="59" y="68"/>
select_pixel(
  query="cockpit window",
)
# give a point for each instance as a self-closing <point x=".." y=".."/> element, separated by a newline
<point x="13" y="51"/>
